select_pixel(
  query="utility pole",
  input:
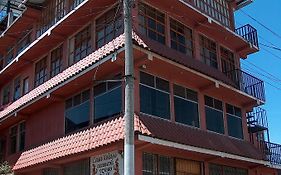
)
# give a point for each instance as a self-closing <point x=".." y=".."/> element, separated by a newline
<point x="129" y="148"/>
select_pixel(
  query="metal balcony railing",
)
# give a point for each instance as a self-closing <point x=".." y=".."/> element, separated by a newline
<point x="216" y="9"/>
<point x="249" y="33"/>
<point x="247" y="83"/>
<point x="257" y="120"/>
<point x="272" y="152"/>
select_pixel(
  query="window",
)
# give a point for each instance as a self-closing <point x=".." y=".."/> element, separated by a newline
<point x="227" y="60"/>
<point x="186" y="106"/>
<point x="107" y="100"/>
<point x="17" y="89"/>
<point x="154" y="96"/>
<point x="52" y="12"/>
<point x="9" y="57"/>
<point x="51" y="171"/>
<point x="2" y="150"/>
<point x="215" y="169"/>
<point x="17" y="138"/>
<point x="56" y="61"/>
<point x="40" y="72"/>
<point x="6" y="95"/>
<point x="214" y="115"/>
<point x="234" y="121"/>
<point x="181" y="38"/>
<point x="157" y="165"/>
<point x="80" y="45"/>
<point x="152" y="23"/>
<point x="77" y="112"/>
<point x="208" y="52"/>
<point x="186" y="167"/>
<point x="108" y="26"/>
<point x="23" y="43"/>
<point x="77" y="168"/>
<point x="25" y="87"/>
<point x="1" y="62"/>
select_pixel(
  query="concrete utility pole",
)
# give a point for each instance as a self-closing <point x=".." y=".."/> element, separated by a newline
<point x="129" y="148"/>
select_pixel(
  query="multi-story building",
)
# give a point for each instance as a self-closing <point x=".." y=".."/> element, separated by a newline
<point x="62" y="89"/>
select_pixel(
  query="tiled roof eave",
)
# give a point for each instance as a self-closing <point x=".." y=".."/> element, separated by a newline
<point x="72" y="72"/>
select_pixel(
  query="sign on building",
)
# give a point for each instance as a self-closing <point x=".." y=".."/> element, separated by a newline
<point x="107" y="164"/>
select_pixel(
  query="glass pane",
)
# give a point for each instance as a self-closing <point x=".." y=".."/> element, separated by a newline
<point x="79" y="168"/>
<point x="214" y="120"/>
<point x="154" y="102"/>
<point x="108" y="104"/>
<point x="162" y="85"/>
<point x="234" y="125"/>
<point x="165" y="165"/>
<point x="77" y="117"/>
<point x="149" y="165"/>
<point x="147" y="79"/>
<point x="186" y="112"/>
<point x="179" y="91"/>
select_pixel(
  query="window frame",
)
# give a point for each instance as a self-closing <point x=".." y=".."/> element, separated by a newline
<point x="82" y="102"/>
<point x="18" y="137"/>
<point x="8" y="95"/>
<point x="159" y="90"/>
<point x="17" y="86"/>
<point x="217" y="110"/>
<point x="185" y="30"/>
<point x="72" y="44"/>
<point x="188" y="100"/>
<point x="207" y="46"/>
<point x="235" y="116"/>
<point x="53" y="60"/>
<point x="37" y="80"/>
<point x="145" y="25"/>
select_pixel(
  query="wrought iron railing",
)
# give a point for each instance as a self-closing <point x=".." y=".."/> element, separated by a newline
<point x="257" y="120"/>
<point x="272" y="152"/>
<point x="249" y="33"/>
<point x="247" y="83"/>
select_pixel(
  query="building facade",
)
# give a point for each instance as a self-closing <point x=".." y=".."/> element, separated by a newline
<point x="62" y="89"/>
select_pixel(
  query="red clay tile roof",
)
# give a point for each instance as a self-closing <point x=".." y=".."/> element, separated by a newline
<point x="103" y="134"/>
<point x="199" y="138"/>
<point x="112" y="131"/>
<point x="69" y="73"/>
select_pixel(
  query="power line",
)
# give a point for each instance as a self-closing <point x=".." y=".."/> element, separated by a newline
<point x="271" y="47"/>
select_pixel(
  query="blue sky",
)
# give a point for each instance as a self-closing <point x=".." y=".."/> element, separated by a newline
<point x="269" y="14"/>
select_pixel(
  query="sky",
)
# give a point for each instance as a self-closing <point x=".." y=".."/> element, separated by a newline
<point x="267" y="62"/>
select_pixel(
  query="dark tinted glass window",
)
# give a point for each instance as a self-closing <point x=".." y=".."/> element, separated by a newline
<point x="13" y="139"/>
<point x="181" y="38"/>
<point x="77" y="113"/>
<point x="6" y="93"/>
<point x="154" y="164"/>
<point x="208" y="52"/>
<point x="234" y="121"/>
<point x="109" y="26"/>
<point x="77" y="168"/>
<point x="152" y="23"/>
<point x="147" y="79"/>
<point x="214" y="115"/>
<point x="215" y="169"/>
<point x="41" y="72"/>
<point x="154" y="102"/>
<point x="186" y="106"/>
<point x="108" y="104"/>
<point x="21" y="136"/>
<point x="17" y="89"/>
<point x="56" y="61"/>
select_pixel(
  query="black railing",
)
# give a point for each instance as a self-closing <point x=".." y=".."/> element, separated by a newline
<point x="272" y="152"/>
<point x="257" y="120"/>
<point x="247" y="83"/>
<point x="249" y="33"/>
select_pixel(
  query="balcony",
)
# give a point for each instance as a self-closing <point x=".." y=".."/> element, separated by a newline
<point x="9" y="12"/>
<point x="257" y="120"/>
<point x="249" y="33"/>
<point x="247" y="83"/>
<point x="272" y="152"/>
<point x="218" y="10"/>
